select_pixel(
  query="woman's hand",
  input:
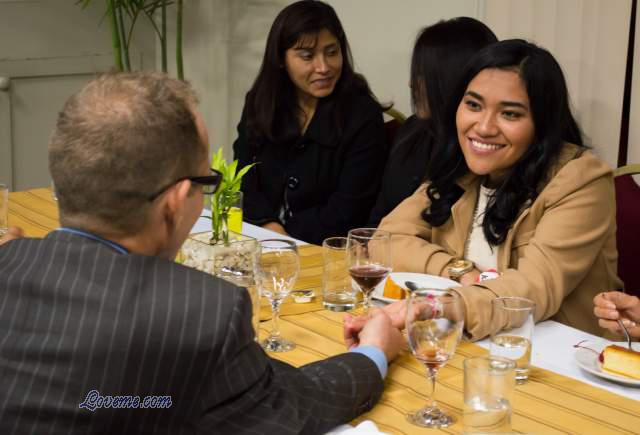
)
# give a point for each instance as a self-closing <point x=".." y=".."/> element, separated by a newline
<point x="611" y="306"/>
<point x="470" y="278"/>
<point x="277" y="227"/>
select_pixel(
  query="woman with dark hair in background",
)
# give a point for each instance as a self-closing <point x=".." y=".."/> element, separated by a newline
<point x="439" y="55"/>
<point x="314" y="128"/>
<point x="512" y="188"/>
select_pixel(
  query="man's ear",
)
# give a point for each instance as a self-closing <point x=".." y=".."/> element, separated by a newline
<point x="174" y="203"/>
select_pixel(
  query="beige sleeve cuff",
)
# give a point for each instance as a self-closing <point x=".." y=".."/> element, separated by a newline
<point x="478" y="310"/>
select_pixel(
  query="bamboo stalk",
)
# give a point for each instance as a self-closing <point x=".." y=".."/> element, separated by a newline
<point x="179" y="63"/>
<point x="132" y="26"/>
<point x="115" y="35"/>
<point x="163" y="37"/>
<point x="123" y="38"/>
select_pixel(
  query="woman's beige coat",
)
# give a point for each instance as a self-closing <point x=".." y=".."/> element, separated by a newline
<point x="560" y="251"/>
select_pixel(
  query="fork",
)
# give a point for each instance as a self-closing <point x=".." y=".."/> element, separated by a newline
<point x="626" y="333"/>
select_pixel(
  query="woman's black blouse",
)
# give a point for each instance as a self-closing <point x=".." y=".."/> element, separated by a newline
<point x="326" y="182"/>
<point x="405" y="169"/>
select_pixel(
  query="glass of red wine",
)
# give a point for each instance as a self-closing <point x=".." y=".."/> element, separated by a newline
<point x="434" y="322"/>
<point x="369" y="255"/>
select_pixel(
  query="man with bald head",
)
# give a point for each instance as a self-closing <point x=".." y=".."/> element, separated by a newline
<point x="101" y="332"/>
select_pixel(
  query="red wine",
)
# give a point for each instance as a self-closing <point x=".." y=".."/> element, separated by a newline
<point x="368" y="276"/>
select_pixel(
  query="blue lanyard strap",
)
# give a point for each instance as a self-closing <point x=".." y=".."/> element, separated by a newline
<point x="113" y="245"/>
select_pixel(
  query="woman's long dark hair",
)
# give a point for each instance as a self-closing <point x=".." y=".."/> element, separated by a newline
<point x="272" y="109"/>
<point x="553" y="122"/>
<point x="439" y="56"/>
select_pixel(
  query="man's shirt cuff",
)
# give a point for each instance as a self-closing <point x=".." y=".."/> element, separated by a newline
<point x="375" y="355"/>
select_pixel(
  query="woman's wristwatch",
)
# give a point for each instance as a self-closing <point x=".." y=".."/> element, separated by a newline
<point x="458" y="267"/>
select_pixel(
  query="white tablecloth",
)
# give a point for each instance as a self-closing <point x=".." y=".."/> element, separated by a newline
<point x="259" y="233"/>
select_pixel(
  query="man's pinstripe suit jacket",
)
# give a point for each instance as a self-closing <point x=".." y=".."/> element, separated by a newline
<point x="77" y="316"/>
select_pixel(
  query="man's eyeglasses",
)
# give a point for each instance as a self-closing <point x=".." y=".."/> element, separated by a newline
<point x="209" y="184"/>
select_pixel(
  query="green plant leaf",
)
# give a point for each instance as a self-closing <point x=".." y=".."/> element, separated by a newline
<point x="217" y="161"/>
<point x="231" y="171"/>
<point x="241" y="173"/>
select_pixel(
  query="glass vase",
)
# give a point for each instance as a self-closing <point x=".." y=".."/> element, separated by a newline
<point x="235" y="261"/>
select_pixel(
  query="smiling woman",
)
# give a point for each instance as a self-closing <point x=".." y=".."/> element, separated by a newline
<point x="314" y="128"/>
<point x="512" y="188"/>
<point x="495" y="124"/>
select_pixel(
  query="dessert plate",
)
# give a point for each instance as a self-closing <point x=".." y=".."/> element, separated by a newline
<point x="421" y="279"/>
<point x="588" y="361"/>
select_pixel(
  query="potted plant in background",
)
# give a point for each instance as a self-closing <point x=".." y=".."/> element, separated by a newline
<point x="123" y="16"/>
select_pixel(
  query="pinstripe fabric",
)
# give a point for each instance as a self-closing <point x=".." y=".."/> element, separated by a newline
<point x="76" y="316"/>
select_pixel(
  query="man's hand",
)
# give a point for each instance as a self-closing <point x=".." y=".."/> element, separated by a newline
<point x="611" y="306"/>
<point x="378" y="331"/>
<point x="12" y="234"/>
<point x="352" y="326"/>
<point x="275" y="226"/>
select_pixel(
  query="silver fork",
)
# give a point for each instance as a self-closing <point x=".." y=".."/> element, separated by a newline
<point x="626" y="333"/>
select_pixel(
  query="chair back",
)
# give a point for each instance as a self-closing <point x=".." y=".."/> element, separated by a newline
<point x="628" y="223"/>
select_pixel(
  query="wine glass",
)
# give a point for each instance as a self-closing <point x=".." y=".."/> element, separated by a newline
<point x="369" y="255"/>
<point x="434" y="324"/>
<point x="278" y="269"/>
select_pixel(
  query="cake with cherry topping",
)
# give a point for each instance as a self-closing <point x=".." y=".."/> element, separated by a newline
<point x="621" y="361"/>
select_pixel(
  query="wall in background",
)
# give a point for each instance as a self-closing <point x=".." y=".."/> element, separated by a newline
<point x="589" y="39"/>
<point x="634" y="118"/>
<point x="48" y="50"/>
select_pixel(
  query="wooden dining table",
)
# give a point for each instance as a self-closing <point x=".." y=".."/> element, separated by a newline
<point x="549" y="403"/>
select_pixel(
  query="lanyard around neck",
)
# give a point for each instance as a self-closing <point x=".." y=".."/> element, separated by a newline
<point x="113" y="245"/>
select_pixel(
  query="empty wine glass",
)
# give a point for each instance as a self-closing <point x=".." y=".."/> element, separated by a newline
<point x="278" y="270"/>
<point x="434" y="322"/>
<point x="369" y="255"/>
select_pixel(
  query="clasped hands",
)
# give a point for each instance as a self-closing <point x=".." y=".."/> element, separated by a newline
<point x="380" y="328"/>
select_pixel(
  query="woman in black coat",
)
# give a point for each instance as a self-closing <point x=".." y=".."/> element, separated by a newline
<point x="314" y="129"/>
<point x="439" y="55"/>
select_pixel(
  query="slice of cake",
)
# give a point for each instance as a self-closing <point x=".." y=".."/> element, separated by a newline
<point x="621" y="361"/>
<point x="393" y="290"/>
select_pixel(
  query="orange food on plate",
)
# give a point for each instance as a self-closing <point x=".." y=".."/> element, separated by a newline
<point x="393" y="290"/>
<point x="621" y="361"/>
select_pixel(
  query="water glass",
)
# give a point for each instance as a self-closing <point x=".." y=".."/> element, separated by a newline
<point x="337" y="291"/>
<point x="513" y="340"/>
<point x="489" y="383"/>
<point x="4" y="209"/>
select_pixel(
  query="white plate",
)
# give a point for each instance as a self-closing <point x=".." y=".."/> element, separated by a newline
<point x="588" y="361"/>
<point x="421" y="279"/>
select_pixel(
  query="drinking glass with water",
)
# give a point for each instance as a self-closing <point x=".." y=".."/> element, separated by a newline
<point x="489" y="383"/>
<point x="513" y="341"/>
